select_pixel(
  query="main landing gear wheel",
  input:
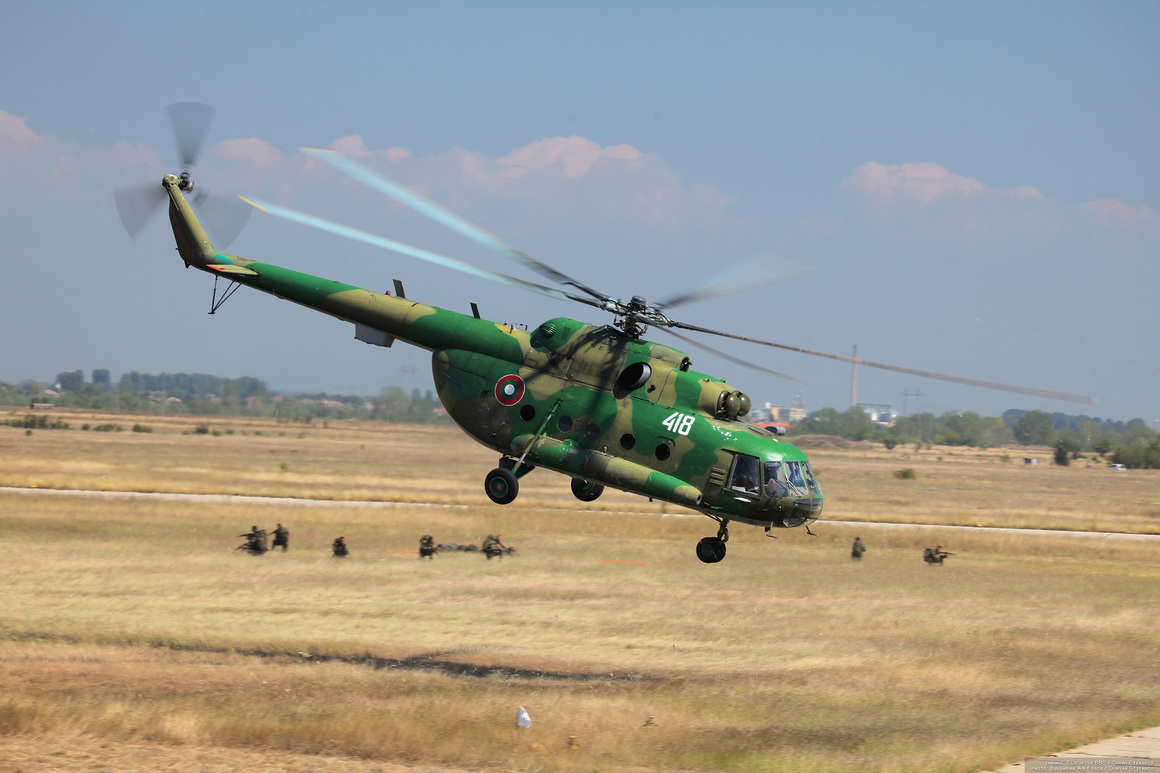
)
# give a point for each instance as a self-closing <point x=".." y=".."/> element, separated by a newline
<point x="586" y="490"/>
<point x="501" y="486"/>
<point x="711" y="550"/>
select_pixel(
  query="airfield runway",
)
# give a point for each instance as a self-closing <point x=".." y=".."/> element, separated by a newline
<point x="1142" y="747"/>
<point x="292" y="502"/>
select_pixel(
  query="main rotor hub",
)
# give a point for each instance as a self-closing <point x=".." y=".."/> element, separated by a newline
<point x="186" y="184"/>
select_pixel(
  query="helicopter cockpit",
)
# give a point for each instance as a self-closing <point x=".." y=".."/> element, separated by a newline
<point x="781" y="478"/>
<point x="787" y="490"/>
<point x="786" y="479"/>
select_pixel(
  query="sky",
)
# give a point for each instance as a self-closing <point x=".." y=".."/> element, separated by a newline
<point x="975" y="186"/>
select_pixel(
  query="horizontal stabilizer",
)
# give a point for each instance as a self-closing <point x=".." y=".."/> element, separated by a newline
<point x="229" y="268"/>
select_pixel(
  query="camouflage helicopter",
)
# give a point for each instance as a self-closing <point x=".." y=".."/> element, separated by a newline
<point x="598" y="403"/>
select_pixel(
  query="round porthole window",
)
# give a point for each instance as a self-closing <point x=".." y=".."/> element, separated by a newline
<point x="627" y="441"/>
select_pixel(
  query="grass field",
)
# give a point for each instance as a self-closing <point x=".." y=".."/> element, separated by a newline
<point x="133" y="637"/>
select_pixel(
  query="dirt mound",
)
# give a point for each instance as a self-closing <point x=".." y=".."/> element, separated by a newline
<point x="826" y="442"/>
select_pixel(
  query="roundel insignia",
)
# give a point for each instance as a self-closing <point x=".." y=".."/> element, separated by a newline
<point x="509" y="390"/>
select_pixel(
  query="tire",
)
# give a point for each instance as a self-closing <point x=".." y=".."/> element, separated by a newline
<point x="711" y="550"/>
<point x="501" y="486"/>
<point x="586" y="490"/>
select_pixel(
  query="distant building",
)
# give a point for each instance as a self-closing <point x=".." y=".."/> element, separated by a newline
<point x="770" y="414"/>
<point x="883" y="415"/>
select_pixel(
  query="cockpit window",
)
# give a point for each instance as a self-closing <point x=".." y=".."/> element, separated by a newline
<point x="745" y="474"/>
<point x="801" y="479"/>
<point x="775" y="480"/>
<point x="793" y="475"/>
<point x="813" y="483"/>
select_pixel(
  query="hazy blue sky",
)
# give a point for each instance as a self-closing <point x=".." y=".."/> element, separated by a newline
<point x="976" y="184"/>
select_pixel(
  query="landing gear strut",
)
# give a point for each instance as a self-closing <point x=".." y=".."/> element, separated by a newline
<point x="712" y="549"/>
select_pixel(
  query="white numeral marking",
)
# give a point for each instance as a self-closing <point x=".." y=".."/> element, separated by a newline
<point x="680" y="423"/>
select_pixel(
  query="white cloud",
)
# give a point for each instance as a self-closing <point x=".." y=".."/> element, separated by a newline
<point x="572" y="177"/>
<point x="1117" y="214"/>
<point x="924" y="182"/>
<point x="40" y="158"/>
<point x="14" y="131"/>
<point x="259" y="153"/>
<point x="569" y="157"/>
<point x="617" y="182"/>
<point x="352" y="145"/>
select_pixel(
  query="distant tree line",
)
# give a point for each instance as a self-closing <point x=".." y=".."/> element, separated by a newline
<point x="199" y="394"/>
<point x="1132" y="443"/>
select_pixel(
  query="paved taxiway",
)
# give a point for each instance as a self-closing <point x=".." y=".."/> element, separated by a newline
<point x="1140" y="746"/>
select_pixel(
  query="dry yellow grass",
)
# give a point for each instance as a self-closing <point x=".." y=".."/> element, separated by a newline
<point x="130" y="632"/>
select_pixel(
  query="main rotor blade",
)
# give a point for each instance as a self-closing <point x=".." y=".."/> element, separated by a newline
<point x="137" y="204"/>
<point x="912" y="371"/>
<point x="439" y="214"/>
<point x="731" y="358"/>
<point x="756" y="273"/>
<point x="224" y="215"/>
<point x="190" y="121"/>
<point x="406" y="249"/>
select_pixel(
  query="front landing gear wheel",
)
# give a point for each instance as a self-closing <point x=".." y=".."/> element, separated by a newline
<point x="586" y="490"/>
<point x="711" y="550"/>
<point x="501" y="486"/>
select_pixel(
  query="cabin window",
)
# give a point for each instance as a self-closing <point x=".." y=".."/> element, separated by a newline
<point x="527" y="413"/>
<point x="592" y="432"/>
<point x="664" y="451"/>
<point x="745" y="474"/>
<point x="565" y="423"/>
<point x="628" y="441"/>
<point x="775" y="480"/>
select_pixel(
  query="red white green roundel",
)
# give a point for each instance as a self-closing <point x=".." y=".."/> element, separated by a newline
<point x="509" y="390"/>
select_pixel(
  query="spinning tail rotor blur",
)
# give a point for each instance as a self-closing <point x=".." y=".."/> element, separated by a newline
<point x="224" y="216"/>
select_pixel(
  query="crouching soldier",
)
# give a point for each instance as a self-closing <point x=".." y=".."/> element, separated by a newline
<point x="339" y="548"/>
<point x="935" y="555"/>
<point x="427" y="547"/>
<point x="255" y="543"/>
<point x="493" y="546"/>
<point x="281" y="538"/>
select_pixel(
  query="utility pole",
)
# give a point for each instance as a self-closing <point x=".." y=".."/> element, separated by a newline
<point x="404" y="372"/>
<point x="854" y="380"/>
<point x="917" y="395"/>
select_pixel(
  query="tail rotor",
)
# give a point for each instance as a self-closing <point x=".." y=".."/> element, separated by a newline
<point x="224" y="216"/>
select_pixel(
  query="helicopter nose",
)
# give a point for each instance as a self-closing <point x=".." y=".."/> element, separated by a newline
<point x="804" y="511"/>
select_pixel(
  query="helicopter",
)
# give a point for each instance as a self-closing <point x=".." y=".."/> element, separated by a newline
<point x="596" y="402"/>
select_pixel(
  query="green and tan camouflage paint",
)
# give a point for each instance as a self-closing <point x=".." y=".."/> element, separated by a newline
<point x="668" y="438"/>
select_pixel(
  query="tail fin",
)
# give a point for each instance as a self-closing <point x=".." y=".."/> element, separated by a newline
<point x="192" y="242"/>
